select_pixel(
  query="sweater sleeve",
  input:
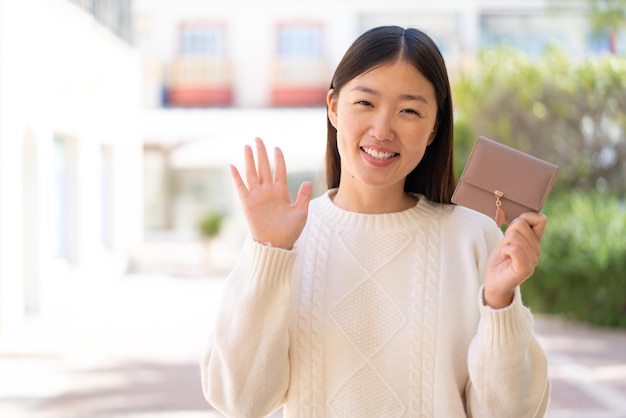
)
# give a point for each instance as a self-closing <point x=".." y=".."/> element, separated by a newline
<point x="507" y="366"/>
<point x="245" y="370"/>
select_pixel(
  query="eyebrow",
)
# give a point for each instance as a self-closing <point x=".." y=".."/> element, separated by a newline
<point x="369" y="90"/>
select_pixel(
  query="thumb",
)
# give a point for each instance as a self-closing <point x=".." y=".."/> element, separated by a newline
<point x="304" y="194"/>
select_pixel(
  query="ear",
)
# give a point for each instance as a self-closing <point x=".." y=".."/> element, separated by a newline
<point x="433" y="133"/>
<point x="432" y="136"/>
<point x="331" y="103"/>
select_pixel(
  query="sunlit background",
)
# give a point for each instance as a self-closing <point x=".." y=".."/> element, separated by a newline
<point x="119" y="222"/>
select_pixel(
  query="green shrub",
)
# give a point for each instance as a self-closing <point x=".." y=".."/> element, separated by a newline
<point x="210" y="224"/>
<point x="569" y="112"/>
<point x="582" y="271"/>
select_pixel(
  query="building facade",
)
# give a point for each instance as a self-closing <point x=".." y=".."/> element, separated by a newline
<point x="70" y="147"/>
<point x="246" y="53"/>
<point x="219" y="73"/>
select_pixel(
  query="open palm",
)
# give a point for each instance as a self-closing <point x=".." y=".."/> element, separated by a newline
<point x="272" y="218"/>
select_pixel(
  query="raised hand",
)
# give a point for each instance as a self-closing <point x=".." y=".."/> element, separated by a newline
<point x="514" y="259"/>
<point x="271" y="216"/>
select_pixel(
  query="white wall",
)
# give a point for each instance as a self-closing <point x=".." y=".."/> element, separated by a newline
<point x="63" y="76"/>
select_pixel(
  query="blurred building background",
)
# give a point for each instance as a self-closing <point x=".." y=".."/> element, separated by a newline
<point x="118" y="118"/>
<point x="218" y="74"/>
<point x="70" y="146"/>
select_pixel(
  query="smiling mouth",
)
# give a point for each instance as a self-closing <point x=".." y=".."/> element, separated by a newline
<point x="378" y="155"/>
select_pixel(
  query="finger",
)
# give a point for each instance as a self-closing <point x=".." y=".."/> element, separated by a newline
<point x="536" y="221"/>
<point x="280" y="170"/>
<point x="265" y="170"/>
<point x="304" y="194"/>
<point x="240" y="186"/>
<point x="520" y="233"/>
<point x="523" y="263"/>
<point x="252" y="177"/>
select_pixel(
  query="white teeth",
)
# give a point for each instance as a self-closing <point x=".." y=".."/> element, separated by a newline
<point x="378" y="154"/>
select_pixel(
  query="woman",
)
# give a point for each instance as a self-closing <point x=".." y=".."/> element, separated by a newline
<point x="378" y="298"/>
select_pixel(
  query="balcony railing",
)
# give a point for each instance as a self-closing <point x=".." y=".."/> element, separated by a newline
<point x="299" y="82"/>
<point x="199" y="81"/>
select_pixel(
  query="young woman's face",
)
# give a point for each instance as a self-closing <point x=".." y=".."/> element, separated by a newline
<point x="385" y="119"/>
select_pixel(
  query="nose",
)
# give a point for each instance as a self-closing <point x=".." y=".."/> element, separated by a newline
<point x="382" y="127"/>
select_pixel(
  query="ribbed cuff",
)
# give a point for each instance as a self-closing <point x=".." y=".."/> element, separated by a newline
<point x="511" y="324"/>
<point x="266" y="264"/>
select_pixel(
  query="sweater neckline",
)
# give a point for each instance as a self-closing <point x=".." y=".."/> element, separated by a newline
<point x="329" y="211"/>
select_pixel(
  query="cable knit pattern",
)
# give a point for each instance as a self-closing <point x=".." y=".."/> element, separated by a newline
<point x="366" y="395"/>
<point x="381" y="316"/>
<point x="311" y="310"/>
<point x="373" y="250"/>
<point x="424" y="319"/>
<point x="368" y="317"/>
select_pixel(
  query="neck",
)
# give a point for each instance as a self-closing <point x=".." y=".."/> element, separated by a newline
<point x="375" y="201"/>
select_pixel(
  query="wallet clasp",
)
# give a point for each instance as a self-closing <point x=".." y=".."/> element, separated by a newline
<point x="500" y="216"/>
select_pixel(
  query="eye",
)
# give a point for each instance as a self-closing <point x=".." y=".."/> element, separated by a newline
<point x="411" y="111"/>
<point x="364" y="103"/>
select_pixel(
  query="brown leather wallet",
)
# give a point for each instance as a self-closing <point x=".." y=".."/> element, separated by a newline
<point x="503" y="182"/>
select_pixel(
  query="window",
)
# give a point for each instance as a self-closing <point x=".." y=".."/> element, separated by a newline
<point x="532" y="33"/>
<point x="299" y="41"/>
<point x="200" y="74"/>
<point x="300" y="75"/>
<point x="113" y="14"/>
<point x="202" y="40"/>
<point x="64" y="209"/>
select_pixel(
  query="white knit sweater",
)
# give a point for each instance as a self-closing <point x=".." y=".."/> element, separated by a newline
<point x="374" y="316"/>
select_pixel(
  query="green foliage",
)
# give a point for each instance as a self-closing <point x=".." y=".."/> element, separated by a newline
<point x="210" y="224"/>
<point x="607" y="14"/>
<point x="464" y="138"/>
<point x="569" y="113"/>
<point x="582" y="270"/>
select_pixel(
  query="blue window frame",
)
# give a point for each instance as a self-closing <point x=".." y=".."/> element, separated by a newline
<point x="299" y="41"/>
<point x="207" y="40"/>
